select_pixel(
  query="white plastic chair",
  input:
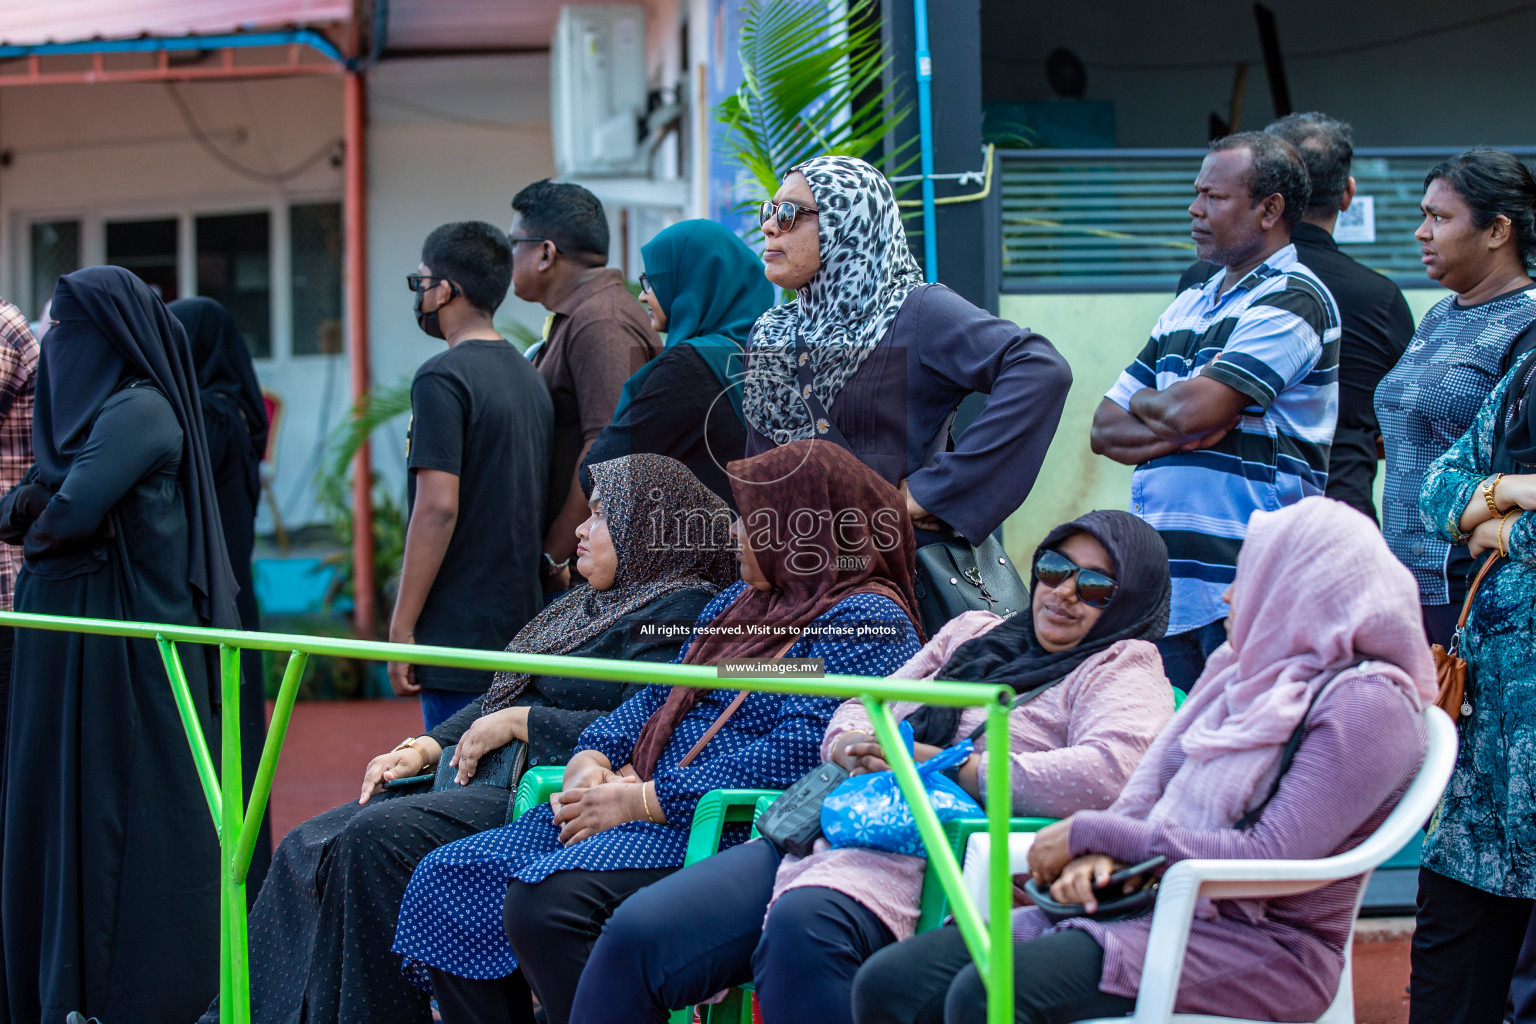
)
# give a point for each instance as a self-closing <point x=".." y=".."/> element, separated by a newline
<point x="973" y="871"/>
<point x="1188" y="881"/>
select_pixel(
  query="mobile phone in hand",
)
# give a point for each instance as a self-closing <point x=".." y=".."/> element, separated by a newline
<point x="412" y="781"/>
<point x="1127" y="873"/>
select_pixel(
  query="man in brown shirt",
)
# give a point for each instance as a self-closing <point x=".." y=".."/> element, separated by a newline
<point x="597" y="336"/>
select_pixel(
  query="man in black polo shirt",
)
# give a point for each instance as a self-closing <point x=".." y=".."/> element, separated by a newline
<point x="478" y="455"/>
<point x="1377" y="323"/>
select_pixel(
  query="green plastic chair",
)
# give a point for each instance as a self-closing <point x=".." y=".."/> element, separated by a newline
<point x="714" y="811"/>
<point x="536" y="787"/>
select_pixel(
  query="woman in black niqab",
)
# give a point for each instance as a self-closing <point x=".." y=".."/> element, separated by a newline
<point x="1011" y="655"/>
<point x="235" y="423"/>
<point x="109" y="885"/>
<point x="226" y="376"/>
<point x="115" y="330"/>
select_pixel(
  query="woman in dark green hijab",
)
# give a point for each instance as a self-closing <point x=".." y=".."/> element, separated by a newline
<point x="704" y="288"/>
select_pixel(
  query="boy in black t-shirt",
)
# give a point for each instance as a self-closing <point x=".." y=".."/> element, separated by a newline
<point x="478" y="454"/>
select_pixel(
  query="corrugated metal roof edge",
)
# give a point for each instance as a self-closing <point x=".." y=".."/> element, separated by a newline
<point x="152" y="44"/>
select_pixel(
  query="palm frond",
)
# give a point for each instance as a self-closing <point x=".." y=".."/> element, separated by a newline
<point x="805" y="76"/>
<point x="372" y="411"/>
<point x="333" y="492"/>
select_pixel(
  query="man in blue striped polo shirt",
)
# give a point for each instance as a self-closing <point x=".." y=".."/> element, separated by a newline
<point x="1231" y="405"/>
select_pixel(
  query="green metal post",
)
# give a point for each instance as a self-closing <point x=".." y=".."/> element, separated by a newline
<point x="194" y="729"/>
<point x="236" y="1007"/>
<point x="998" y="971"/>
<point x="277" y="731"/>
<point x="939" y="854"/>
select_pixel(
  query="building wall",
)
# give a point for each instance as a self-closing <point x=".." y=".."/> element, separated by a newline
<point x="449" y="139"/>
<point x="120" y="151"/>
<point x="1099" y="335"/>
<point x="1450" y="88"/>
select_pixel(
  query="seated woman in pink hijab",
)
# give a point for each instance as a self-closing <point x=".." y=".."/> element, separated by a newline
<point x="1325" y="634"/>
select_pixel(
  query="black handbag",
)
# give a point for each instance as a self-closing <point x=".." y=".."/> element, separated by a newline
<point x="953" y="577"/>
<point x="1123" y="908"/>
<point x="502" y="768"/>
<point x="793" y="821"/>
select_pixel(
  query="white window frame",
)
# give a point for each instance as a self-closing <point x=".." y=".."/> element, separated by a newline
<point x="93" y="248"/>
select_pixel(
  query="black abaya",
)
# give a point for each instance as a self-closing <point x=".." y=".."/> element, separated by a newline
<point x="235" y="419"/>
<point x="110" y="886"/>
<point x="235" y="463"/>
<point x="109" y="895"/>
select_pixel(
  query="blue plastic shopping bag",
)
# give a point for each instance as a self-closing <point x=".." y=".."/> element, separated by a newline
<point x="870" y="811"/>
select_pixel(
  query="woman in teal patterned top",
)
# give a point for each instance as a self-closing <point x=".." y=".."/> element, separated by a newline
<point x="1478" y="869"/>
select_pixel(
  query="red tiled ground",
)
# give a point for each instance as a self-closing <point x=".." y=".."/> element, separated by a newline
<point x="330" y="743"/>
<point x="1381" y="972"/>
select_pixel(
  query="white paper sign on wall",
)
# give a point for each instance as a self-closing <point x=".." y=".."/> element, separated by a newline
<point x="1358" y="223"/>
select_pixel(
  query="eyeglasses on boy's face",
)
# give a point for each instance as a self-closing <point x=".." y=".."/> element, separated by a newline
<point x="422" y="282"/>
<point x="1094" y="588"/>
<point x="783" y="212"/>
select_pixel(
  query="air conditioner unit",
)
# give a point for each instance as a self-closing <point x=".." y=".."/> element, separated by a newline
<point x="598" y="91"/>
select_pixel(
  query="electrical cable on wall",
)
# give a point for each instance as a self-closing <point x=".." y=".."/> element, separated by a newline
<point x="329" y="149"/>
<point x="448" y="117"/>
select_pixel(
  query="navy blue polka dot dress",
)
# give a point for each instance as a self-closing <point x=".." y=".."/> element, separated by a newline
<point x="451" y="915"/>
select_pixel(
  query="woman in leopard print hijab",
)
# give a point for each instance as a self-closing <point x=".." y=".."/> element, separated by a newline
<point x="839" y="316"/>
<point x="870" y="358"/>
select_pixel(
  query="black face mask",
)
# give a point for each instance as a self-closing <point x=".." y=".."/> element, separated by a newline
<point x="428" y="321"/>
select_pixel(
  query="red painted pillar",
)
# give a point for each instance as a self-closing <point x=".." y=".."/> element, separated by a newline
<point x="355" y="216"/>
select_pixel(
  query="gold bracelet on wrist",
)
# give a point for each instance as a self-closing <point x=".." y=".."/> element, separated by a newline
<point x="1503" y="522"/>
<point x="644" y="802"/>
<point x="414" y="743"/>
<point x="1489" y="486"/>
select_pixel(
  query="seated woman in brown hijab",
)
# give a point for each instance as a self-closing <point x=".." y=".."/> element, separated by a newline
<point x="825" y="548"/>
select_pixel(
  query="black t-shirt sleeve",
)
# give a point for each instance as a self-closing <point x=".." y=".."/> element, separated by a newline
<point x="439" y="416"/>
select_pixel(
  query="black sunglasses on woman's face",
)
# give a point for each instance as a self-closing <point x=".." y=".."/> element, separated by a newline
<point x="1094" y="588"/>
<point x="785" y="212"/>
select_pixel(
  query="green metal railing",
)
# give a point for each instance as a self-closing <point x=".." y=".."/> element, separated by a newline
<point x="990" y="942"/>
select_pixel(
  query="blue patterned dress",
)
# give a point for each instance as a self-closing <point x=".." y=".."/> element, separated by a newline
<point x="451" y="915"/>
<point x="1484" y="833"/>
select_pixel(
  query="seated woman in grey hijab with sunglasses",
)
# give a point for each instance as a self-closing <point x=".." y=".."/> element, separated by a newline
<point x="322" y="926"/>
